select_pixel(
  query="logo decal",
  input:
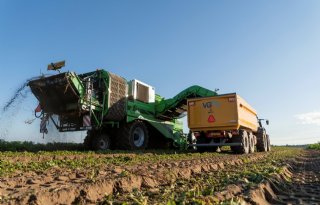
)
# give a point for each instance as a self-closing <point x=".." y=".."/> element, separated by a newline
<point x="210" y="104"/>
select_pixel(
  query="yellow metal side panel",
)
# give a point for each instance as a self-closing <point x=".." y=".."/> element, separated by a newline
<point x="247" y="115"/>
<point x="223" y="112"/>
<point x="213" y="113"/>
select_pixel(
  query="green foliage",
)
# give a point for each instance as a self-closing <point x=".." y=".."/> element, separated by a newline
<point x="315" y="146"/>
<point x="17" y="146"/>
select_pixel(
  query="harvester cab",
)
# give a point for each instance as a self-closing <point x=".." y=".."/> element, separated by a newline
<point x="260" y="122"/>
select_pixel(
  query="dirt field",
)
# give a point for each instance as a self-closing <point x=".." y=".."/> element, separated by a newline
<point x="282" y="176"/>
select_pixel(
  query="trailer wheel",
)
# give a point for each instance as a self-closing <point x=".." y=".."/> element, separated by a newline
<point x="251" y="143"/>
<point x="268" y="144"/>
<point x="133" y="136"/>
<point x="262" y="141"/>
<point x="244" y="140"/>
<point x="101" y="142"/>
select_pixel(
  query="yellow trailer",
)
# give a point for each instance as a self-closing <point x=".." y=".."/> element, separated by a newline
<point x="226" y="120"/>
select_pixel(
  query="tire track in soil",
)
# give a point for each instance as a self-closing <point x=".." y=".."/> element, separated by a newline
<point x="299" y="184"/>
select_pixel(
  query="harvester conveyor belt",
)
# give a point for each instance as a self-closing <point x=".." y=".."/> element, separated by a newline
<point x="174" y="107"/>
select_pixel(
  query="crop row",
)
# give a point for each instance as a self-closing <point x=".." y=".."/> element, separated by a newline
<point x="201" y="188"/>
<point x="12" y="162"/>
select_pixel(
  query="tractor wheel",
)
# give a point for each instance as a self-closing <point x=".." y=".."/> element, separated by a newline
<point x="268" y="143"/>
<point x="262" y="142"/>
<point x="251" y="143"/>
<point x="244" y="140"/>
<point x="133" y="136"/>
<point x="101" y="142"/>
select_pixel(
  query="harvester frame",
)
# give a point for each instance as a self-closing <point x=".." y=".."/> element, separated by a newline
<point x="109" y="107"/>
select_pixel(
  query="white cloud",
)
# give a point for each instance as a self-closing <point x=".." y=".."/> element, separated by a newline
<point x="310" y="118"/>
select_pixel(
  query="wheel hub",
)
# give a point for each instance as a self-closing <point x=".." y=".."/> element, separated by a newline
<point x="138" y="137"/>
<point x="103" y="145"/>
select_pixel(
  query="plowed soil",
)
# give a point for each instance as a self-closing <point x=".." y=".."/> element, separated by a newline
<point x="282" y="176"/>
<point x="299" y="184"/>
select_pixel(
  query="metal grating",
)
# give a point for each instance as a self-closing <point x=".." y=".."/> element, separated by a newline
<point x="118" y="89"/>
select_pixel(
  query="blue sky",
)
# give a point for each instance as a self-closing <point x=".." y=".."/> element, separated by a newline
<point x="267" y="51"/>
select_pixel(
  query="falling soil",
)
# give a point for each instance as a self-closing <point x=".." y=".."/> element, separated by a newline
<point x="13" y="108"/>
<point x="19" y="94"/>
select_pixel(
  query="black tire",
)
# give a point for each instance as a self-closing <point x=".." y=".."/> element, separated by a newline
<point x="268" y="144"/>
<point x="133" y="136"/>
<point x="251" y="143"/>
<point x="262" y="142"/>
<point x="244" y="140"/>
<point x="101" y="142"/>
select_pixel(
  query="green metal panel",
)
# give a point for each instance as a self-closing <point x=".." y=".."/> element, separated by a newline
<point x="105" y="85"/>
<point x="169" y="129"/>
<point x="105" y="79"/>
<point x="77" y="83"/>
<point x="172" y="129"/>
<point x="137" y="109"/>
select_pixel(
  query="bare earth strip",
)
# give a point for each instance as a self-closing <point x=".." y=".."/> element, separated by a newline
<point x="283" y="176"/>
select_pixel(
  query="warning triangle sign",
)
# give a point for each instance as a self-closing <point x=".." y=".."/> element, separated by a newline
<point x="211" y="118"/>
